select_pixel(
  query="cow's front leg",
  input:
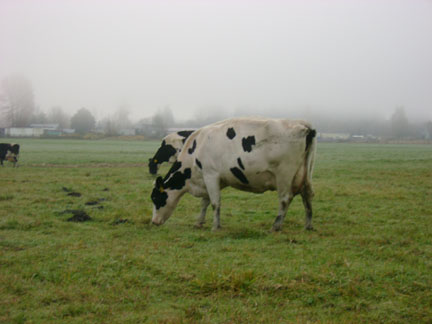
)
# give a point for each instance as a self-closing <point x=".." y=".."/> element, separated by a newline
<point x="284" y="203"/>
<point x="201" y="218"/>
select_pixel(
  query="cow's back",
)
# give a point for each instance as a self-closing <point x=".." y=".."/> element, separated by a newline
<point x="248" y="153"/>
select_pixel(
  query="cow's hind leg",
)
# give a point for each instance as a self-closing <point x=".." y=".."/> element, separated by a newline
<point x="201" y="218"/>
<point x="213" y="190"/>
<point x="284" y="202"/>
<point x="216" y="218"/>
<point x="307" y="195"/>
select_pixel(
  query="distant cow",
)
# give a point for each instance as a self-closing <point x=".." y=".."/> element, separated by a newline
<point x="169" y="149"/>
<point x="250" y="154"/>
<point x="9" y="152"/>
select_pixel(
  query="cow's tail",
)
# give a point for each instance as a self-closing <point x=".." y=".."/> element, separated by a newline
<point x="310" y="153"/>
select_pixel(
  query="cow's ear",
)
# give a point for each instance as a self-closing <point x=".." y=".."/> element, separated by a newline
<point x="159" y="183"/>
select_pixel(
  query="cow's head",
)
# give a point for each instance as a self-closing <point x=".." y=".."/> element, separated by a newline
<point x="167" y="192"/>
<point x="153" y="166"/>
<point x="12" y="158"/>
<point x="162" y="207"/>
<point x="163" y="154"/>
<point x="12" y="153"/>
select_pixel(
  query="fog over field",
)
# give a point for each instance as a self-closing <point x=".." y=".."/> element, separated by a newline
<point x="351" y="58"/>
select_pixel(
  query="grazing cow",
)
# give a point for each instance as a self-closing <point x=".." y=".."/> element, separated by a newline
<point x="9" y="152"/>
<point x="250" y="154"/>
<point x="169" y="149"/>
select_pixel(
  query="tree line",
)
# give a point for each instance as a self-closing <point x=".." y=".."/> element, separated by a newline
<point x="18" y="109"/>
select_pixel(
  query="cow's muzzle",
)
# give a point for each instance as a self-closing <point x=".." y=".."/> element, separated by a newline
<point x="156" y="223"/>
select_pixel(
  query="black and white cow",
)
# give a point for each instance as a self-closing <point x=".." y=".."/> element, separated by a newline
<point x="250" y="154"/>
<point x="9" y="152"/>
<point x="169" y="149"/>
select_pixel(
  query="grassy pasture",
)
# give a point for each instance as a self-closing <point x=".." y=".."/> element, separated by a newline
<point x="369" y="260"/>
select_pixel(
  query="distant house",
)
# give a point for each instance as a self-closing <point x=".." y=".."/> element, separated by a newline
<point x="34" y="130"/>
<point x="128" y="132"/>
<point x="345" y="137"/>
<point x="24" y="132"/>
<point x="46" y="126"/>
<point x="333" y="137"/>
<point x="150" y="130"/>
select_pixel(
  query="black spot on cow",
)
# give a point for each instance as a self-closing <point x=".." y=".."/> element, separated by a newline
<point x="176" y="166"/>
<point x="174" y="180"/>
<point x="185" y="134"/>
<point x="15" y="148"/>
<point x="309" y="137"/>
<point x="163" y="154"/>
<point x="198" y="163"/>
<point x="230" y="133"/>
<point x="192" y="149"/>
<point x="159" y="197"/>
<point x="239" y="175"/>
<point x="178" y="179"/>
<point x="247" y="143"/>
<point x="240" y="163"/>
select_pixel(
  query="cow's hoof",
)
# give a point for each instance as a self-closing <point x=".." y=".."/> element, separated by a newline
<point x="216" y="228"/>
<point x="276" y="228"/>
<point x="199" y="226"/>
<point x="309" y="228"/>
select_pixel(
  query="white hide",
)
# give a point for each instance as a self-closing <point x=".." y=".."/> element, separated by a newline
<point x="277" y="161"/>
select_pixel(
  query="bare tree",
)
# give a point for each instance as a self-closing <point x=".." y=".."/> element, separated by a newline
<point x="428" y="127"/>
<point x="399" y="123"/>
<point x="163" y="119"/>
<point x="121" y="117"/>
<point x="39" y="117"/>
<point x="17" y="102"/>
<point x="108" y="126"/>
<point x="4" y="113"/>
<point x="56" y="115"/>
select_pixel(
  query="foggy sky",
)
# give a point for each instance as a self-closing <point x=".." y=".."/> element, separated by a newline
<point x="326" y="56"/>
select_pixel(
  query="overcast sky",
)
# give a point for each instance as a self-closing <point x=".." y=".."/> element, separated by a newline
<point x="324" y="56"/>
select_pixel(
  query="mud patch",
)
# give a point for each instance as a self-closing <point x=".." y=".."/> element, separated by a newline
<point x="95" y="202"/>
<point x="92" y="203"/>
<point x="74" y="194"/>
<point x="120" y="221"/>
<point x="70" y="192"/>
<point x="78" y="215"/>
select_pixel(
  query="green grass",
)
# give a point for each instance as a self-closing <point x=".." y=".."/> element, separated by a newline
<point x="369" y="260"/>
